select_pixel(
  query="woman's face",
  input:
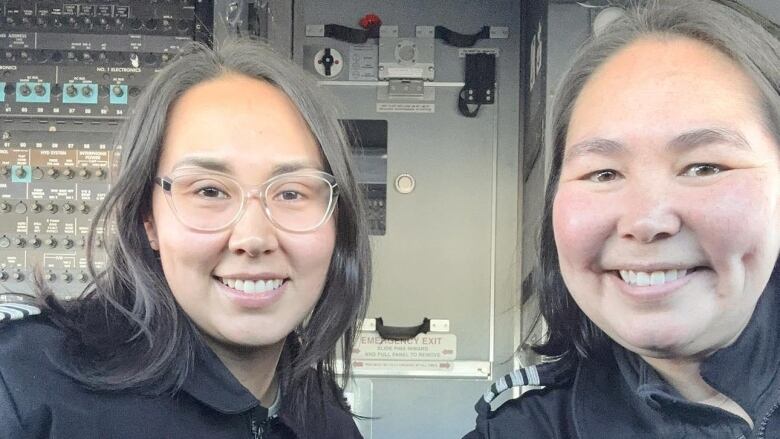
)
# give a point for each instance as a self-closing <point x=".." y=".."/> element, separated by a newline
<point x="666" y="217"/>
<point x="249" y="130"/>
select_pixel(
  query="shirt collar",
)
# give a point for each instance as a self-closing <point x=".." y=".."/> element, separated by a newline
<point x="211" y="383"/>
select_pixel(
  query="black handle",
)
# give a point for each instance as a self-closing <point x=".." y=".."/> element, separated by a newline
<point x="402" y="332"/>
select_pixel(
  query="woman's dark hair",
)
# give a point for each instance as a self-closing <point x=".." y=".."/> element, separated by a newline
<point x="126" y="331"/>
<point x="743" y="35"/>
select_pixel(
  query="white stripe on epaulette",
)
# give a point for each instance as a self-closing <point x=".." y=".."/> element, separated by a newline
<point x="17" y="311"/>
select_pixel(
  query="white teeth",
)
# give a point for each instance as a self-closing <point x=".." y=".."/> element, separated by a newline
<point x="248" y="286"/>
<point x="643" y="279"/>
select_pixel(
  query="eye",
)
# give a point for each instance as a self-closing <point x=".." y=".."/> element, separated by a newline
<point x="603" y="176"/>
<point x="212" y="192"/>
<point x="289" y="196"/>
<point x="702" y="170"/>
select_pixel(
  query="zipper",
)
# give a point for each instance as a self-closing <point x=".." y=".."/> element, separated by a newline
<point x="258" y="428"/>
<point x="765" y="421"/>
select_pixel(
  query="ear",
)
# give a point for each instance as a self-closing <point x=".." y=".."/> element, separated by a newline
<point x="151" y="233"/>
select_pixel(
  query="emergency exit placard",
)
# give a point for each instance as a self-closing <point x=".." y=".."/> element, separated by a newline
<point x="424" y="347"/>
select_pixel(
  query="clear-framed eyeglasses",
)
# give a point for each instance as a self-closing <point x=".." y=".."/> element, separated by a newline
<point x="206" y="201"/>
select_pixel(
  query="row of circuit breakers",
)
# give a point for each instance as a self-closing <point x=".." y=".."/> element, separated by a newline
<point x="69" y="74"/>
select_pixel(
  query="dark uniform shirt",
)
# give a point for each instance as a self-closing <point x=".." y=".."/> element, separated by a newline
<point x="37" y="400"/>
<point x="626" y="398"/>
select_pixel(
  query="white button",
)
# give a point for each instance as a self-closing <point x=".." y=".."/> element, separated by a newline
<point x="404" y="183"/>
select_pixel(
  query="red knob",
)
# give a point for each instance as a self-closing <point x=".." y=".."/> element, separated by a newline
<point x="370" y="20"/>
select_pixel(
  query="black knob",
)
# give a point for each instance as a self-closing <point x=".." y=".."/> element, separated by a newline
<point x="20" y="242"/>
<point x="21" y="172"/>
<point x="56" y="90"/>
<point x="35" y="242"/>
<point x="3" y="276"/>
<point x="67" y="277"/>
<point x="67" y="207"/>
<point x="35" y="207"/>
<point x="51" y="242"/>
<point x="25" y="90"/>
<point x="67" y="243"/>
<point x="5" y="207"/>
<point x="9" y="88"/>
<point x="86" y="91"/>
<point x="18" y="276"/>
<point x="52" y="208"/>
<point x="71" y="90"/>
<point x="40" y="90"/>
<point x="51" y="277"/>
<point x="83" y="277"/>
<point x="84" y="208"/>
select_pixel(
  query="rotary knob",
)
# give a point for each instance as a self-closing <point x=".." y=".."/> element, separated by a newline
<point x="67" y="277"/>
<point x="35" y="242"/>
<point x="35" y="207"/>
<point x="18" y="276"/>
<point x="21" y="172"/>
<point x="51" y="277"/>
<point x="37" y="173"/>
<point x="83" y="278"/>
<point x="68" y="208"/>
<point x="53" y="172"/>
<point x="84" y="208"/>
<point x="84" y="173"/>
<point x="51" y="242"/>
<point x="5" y="207"/>
<point x="3" y="276"/>
<point x="67" y="243"/>
<point x="52" y="208"/>
<point x="100" y="173"/>
<point x="20" y="242"/>
<point x="5" y="242"/>
<point x="68" y="173"/>
<point x="5" y="171"/>
<point x="20" y="207"/>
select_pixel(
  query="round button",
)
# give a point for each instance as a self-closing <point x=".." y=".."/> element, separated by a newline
<point x="404" y="183"/>
<point x="5" y="242"/>
<point x="20" y="207"/>
<point x="37" y="173"/>
<point x="118" y="91"/>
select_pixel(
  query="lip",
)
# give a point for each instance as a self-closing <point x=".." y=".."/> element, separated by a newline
<point x="653" y="293"/>
<point x="252" y="300"/>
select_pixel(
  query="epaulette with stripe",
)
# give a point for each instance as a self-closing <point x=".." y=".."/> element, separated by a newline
<point x="552" y="374"/>
<point x="17" y="307"/>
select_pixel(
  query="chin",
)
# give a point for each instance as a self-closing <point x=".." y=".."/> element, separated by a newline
<point x="654" y="341"/>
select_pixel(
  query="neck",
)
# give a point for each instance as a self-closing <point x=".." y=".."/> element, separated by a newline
<point x="685" y="376"/>
<point x="254" y="368"/>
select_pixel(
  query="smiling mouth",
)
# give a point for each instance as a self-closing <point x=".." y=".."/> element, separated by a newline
<point x="252" y="286"/>
<point x="660" y="277"/>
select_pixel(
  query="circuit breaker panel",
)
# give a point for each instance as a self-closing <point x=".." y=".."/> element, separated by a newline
<point x="70" y="72"/>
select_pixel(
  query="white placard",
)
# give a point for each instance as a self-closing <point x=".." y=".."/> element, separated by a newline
<point x="404" y="107"/>
<point x="430" y="347"/>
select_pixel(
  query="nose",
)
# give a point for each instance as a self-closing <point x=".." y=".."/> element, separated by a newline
<point x="648" y="214"/>
<point x="253" y="234"/>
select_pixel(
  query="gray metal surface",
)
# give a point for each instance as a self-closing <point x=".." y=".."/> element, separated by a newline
<point x="451" y="246"/>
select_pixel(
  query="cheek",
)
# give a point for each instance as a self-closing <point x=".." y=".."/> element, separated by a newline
<point x="581" y="223"/>
<point x="310" y="253"/>
<point x="742" y="209"/>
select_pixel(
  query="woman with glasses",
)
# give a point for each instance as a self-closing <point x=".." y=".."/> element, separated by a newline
<point x="239" y="258"/>
<point x="658" y="274"/>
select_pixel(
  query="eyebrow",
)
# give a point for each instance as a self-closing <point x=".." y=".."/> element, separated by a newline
<point x="685" y="141"/>
<point x="218" y="165"/>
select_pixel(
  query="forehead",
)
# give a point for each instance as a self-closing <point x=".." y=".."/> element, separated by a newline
<point x="240" y="120"/>
<point x="661" y="85"/>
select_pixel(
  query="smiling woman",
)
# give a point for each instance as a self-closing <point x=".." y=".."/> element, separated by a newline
<point x="240" y="260"/>
<point x="658" y="266"/>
